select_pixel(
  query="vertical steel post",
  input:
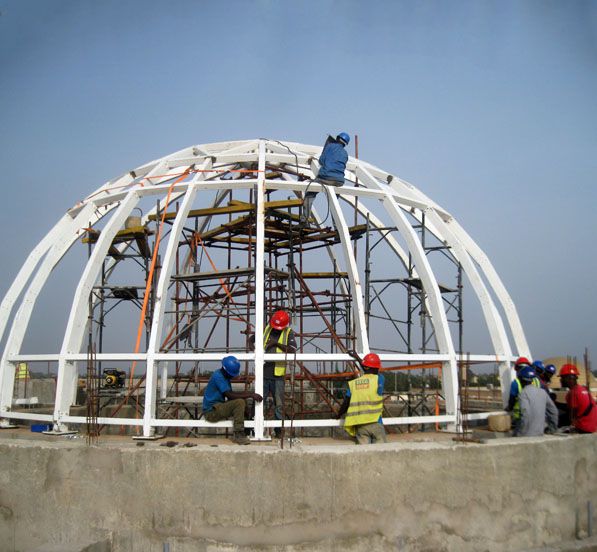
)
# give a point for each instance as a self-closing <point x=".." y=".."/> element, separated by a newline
<point x="259" y="289"/>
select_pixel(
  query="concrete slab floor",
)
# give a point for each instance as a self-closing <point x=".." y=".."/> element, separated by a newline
<point x="214" y="441"/>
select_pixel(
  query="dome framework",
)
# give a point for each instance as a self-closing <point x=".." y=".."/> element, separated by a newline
<point x="260" y="173"/>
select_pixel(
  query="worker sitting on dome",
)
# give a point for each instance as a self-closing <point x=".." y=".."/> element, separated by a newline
<point x="582" y="409"/>
<point x="221" y="403"/>
<point x="363" y="404"/>
<point x="332" y="163"/>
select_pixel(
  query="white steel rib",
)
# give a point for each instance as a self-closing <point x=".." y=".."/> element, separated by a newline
<point x="381" y="198"/>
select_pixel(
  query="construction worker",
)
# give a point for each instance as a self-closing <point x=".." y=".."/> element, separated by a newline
<point x="545" y="373"/>
<point x="581" y="404"/>
<point x="536" y="408"/>
<point x="548" y="373"/>
<point x="278" y="337"/>
<point x="332" y="163"/>
<point x="221" y="403"/>
<point x="363" y="404"/>
<point x="515" y="389"/>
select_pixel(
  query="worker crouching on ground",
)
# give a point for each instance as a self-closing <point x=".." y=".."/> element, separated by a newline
<point x="363" y="404"/>
<point x="332" y="163"/>
<point x="278" y="337"/>
<point x="582" y="409"/>
<point x="221" y="403"/>
<point x="536" y="408"/>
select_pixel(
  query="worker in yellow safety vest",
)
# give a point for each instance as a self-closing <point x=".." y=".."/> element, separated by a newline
<point x="515" y="390"/>
<point x="363" y="404"/>
<point x="22" y="372"/>
<point x="278" y="337"/>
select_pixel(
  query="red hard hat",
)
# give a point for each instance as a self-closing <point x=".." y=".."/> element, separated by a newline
<point x="371" y="360"/>
<point x="568" y="370"/>
<point x="279" y="320"/>
<point x="522" y="360"/>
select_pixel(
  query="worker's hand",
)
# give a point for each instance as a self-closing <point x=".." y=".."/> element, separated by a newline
<point x="257" y="397"/>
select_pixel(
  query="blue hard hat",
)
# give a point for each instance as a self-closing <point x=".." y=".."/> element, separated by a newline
<point x="550" y="369"/>
<point x="343" y="137"/>
<point x="231" y="366"/>
<point x="526" y="374"/>
<point x="538" y="366"/>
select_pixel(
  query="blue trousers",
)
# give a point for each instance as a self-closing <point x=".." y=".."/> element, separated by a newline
<point x="275" y="387"/>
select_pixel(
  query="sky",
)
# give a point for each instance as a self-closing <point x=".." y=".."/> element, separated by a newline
<point x="488" y="107"/>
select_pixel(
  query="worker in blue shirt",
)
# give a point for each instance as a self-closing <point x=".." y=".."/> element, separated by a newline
<point x="332" y="163"/>
<point x="221" y="403"/>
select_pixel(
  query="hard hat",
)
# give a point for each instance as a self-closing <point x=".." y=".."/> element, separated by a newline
<point x="231" y="366"/>
<point x="550" y="369"/>
<point x="371" y="360"/>
<point x="538" y="366"/>
<point x="279" y="320"/>
<point x="568" y="370"/>
<point x="520" y="362"/>
<point x="526" y="374"/>
<point x="344" y="138"/>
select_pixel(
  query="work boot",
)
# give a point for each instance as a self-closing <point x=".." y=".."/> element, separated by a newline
<point x="240" y="438"/>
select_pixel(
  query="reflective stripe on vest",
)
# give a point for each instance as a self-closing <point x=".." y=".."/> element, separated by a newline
<point x="280" y="366"/>
<point x="516" y="414"/>
<point x="365" y="404"/>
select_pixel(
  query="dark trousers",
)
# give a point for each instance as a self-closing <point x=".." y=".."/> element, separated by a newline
<point x="234" y="409"/>
<point x="275" y="387"/>
<point x="310" y="197"/>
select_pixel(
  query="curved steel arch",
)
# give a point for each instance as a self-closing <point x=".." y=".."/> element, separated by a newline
<point x="120" y="195"/>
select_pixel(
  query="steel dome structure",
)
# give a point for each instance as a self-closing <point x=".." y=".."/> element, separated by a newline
<point x="256" y="177"/>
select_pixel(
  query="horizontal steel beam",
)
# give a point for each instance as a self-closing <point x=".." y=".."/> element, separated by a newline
<point x="171" y="357"/>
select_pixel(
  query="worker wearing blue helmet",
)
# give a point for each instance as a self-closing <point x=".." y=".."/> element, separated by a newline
<point x="515" y="390"/>
<point x="332" y="162"/>
<point x="221" y="403"/>
<point x="544" y="375"/>
<point x="536" y="408"/>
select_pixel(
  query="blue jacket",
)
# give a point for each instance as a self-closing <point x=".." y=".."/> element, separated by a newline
<point x="333" y="161"/>
<point x="214" y="392"/>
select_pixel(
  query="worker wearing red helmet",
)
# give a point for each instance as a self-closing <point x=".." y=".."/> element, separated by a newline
<point x="581" y="404"/>
<point x="278" y="337"/>
<point x="363" y="404"/>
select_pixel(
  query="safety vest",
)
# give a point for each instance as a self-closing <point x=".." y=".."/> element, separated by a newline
<point x="22" y="371"/>
<point x="516" y="413"/>
<point x="365" y="404"/>
<point x="280" y="366"/>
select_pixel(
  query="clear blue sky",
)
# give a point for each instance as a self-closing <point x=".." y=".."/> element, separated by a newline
<point x="487" y="106"/>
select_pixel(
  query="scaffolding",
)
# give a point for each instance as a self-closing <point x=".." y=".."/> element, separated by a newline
<point x="202" y="292"/>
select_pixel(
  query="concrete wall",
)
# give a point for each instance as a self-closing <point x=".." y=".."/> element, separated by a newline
<point x="44" y="389"/>
<point x="505" y="495"/>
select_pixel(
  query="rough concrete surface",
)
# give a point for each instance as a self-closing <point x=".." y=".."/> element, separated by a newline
<point x="400" y="496"/>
